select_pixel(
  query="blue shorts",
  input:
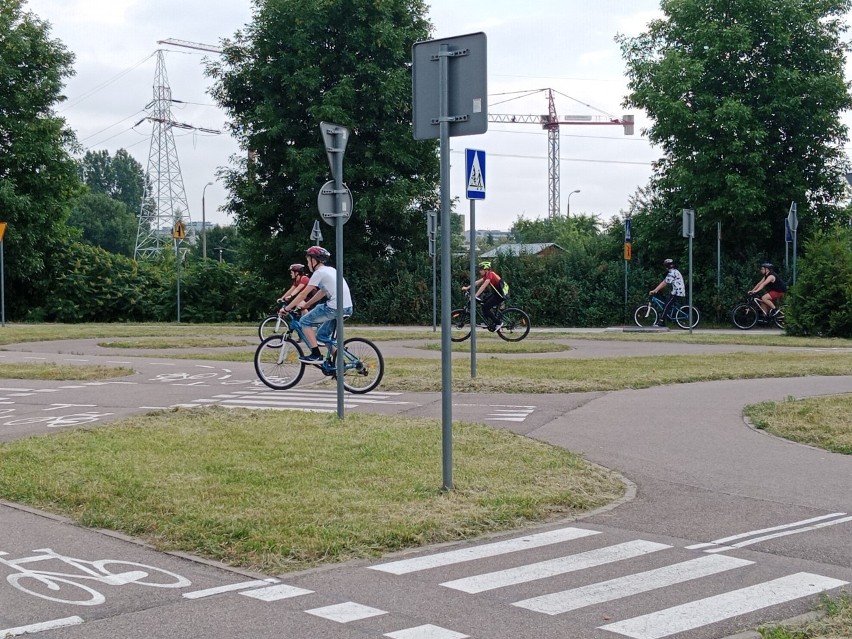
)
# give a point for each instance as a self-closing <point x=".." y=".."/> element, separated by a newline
<point x="323" y="317"/>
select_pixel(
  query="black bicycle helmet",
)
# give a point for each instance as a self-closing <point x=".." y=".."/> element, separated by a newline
<point x="318" y="253"/>
<point x="298" y="268"/>
<point x="668" y="262"/>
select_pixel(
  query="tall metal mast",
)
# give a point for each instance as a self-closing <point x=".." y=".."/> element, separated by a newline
<point x="165" y="198"/>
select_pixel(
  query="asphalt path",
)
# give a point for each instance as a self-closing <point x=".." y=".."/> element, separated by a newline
<point x="764" y="523"/>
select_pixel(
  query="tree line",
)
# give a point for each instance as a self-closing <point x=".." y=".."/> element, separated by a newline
<point x="745" y="98"/>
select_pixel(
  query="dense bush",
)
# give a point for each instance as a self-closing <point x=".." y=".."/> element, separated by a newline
<point x="820" y="303"/>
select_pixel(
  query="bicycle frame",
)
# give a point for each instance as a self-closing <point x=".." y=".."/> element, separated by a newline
<point x="330" y="346"/>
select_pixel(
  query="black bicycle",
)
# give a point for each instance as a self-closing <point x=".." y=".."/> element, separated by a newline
<point x="746" y="315"/>
<point x="513" y="324"/>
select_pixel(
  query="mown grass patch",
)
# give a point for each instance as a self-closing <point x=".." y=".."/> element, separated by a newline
<point x="61" y="372"/>
<point x="823" y="422"/>
<point x="178" y="342"/>
<point x="533" y="375"/>
<point x="277" y="490"/>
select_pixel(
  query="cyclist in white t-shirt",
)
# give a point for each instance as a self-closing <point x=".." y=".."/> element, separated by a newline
<point x="318" y="323"/>
<point x="677" y="292"/>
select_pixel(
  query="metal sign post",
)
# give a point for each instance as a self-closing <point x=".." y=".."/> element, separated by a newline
<point x="628" y="256"/>
<point x="432" y="233"/>
<point x="474" y="173"/>
<point x="178" y="235"/>
<point x="2" y="274"/>
<point x="689" y="231"/>
<point x="450" y="97"/>
<point x="335" y="138"/>
<point x="793" y="223"/>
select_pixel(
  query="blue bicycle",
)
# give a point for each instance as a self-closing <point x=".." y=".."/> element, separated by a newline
<point x="646" y="315"/>
<point x="277" y="364"/>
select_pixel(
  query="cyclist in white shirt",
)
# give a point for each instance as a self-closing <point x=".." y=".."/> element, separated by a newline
<point x="677" y="292"/>
<point x="318" y="323"/>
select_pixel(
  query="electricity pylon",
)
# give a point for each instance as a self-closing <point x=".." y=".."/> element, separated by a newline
<point x="164" y="202"/>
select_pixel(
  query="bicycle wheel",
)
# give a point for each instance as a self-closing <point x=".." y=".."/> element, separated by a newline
<point x="779" y="318"/>
<point x="276" y="362"/>
<point x="142" y="574"/>
<point x="645" y="316"/>
<point x="687" y="316"/>
<point x="272" y="325"/>
<point x="40" y="585"/>
<point x="744" y="316"/>
<point x="459" y="325"/>
<point x="516" y="324"/>
<point x="364" y="365"/>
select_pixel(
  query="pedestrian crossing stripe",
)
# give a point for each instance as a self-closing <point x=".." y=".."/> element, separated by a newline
<point x="604" y="591"/>
<point x="702" y="612"/>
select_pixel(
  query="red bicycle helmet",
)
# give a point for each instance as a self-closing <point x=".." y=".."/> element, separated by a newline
<point x="318" y="253"/>
<point x="298" y="268"/>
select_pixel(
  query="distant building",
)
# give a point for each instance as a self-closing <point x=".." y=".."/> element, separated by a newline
<point x="488" y="235"/>
<point x="539" y="249"/>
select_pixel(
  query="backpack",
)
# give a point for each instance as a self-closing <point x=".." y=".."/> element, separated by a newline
<point x="780" y="285"/>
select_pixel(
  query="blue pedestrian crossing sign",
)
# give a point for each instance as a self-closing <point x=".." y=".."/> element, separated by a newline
<point x="474" y="174"/>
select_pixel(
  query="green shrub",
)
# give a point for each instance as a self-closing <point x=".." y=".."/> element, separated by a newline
<point x="820" y="303"/>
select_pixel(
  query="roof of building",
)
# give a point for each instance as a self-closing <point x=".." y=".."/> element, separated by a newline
<point x="520" y="249"/>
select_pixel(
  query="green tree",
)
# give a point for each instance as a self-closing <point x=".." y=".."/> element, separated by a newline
<point x="301" y="62"/>
<point x="745" y="98"/>
<point x="37" y="174"/>
<point x="105" y="222"/>
<point x="120" y="177"/>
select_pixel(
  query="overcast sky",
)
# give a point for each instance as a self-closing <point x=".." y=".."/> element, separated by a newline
<point x="564" y="45"/>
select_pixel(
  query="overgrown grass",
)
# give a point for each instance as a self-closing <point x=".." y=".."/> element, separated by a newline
<point x="280" y="491"/>
<point x="835" y="623"/>
<point x="614" y="373"/>
<point x="59" y="372"/>
<point x="823" y="422"/>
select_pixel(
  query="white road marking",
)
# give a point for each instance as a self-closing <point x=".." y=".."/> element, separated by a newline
<point x="448" y="558"/>
<point x="601" y="592"/>
<point x="553" y="567"/>
<point x="720" y="607"/>
<point x="725" y="540"/>
<point x="40" y="627"/>
<point x="749" y="542"/>
<point x="275" y="593"/>
<point x="208" y="592"/>
<point x="346" y="612"/>
<point x="426" y="632"/>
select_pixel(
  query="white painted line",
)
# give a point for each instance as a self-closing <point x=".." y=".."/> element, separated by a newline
<point x="21" y="394"/>
<point x="275" y="593"/>
<point x="72" y="386"/>
<point x="199" y="594"/>
<point x="3" y="390"/>
<point x="720" y="607"/>
<point x="76" y="360"/>
<point x="601" y="592"/>
<point x="426" y="632"/>
<point x="756" y="540"/>
<point x="346" y="612"/>
<point x="162" y="364"/>
<point x="116" y="361"/>
<point x="40" y="627"/>
<point x="553" y="567"/>
<point x="725" y="540"/>
<point x="486" y="550"/>
<point x="506" y="419"/>
<point x="154" y="407"/>
<point x="45" y="390"/>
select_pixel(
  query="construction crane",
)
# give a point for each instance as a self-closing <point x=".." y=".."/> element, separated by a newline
<point x="551" y="122"/>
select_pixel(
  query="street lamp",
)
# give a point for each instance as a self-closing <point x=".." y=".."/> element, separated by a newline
<point x="204" y="222"/>
<point x="568" y="206"/>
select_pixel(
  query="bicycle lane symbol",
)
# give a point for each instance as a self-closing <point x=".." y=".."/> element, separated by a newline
<point x="225" y="378"/>
<point x="66" y="587"/>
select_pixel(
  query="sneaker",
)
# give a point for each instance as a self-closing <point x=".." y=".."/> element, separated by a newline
<point x="773" y="312"/>
<point x="312" y="359"/>
<point x="660" y="324"/>
<point x="498" y="327"/>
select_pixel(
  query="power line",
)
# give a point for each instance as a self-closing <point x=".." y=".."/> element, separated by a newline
<point x="103" y="85"/>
